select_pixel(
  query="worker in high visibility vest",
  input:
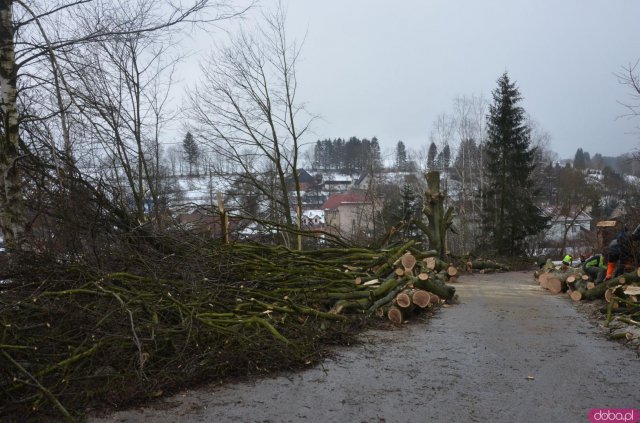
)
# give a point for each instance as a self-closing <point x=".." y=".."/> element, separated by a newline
<point x="567" y="260"/>
<point x="596" y="267"/>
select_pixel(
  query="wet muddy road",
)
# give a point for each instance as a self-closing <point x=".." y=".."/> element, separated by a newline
<point x="509" y="352"/>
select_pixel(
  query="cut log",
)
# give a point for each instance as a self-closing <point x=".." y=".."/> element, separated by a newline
<point x="403" y="299"/>
<point x="384" y="268"/>
<point x="436" y="286"/>
<point x="389" y="284"/>
<point x="554" y="285"/>
<point x="591" y="285"/>
<point x="632" y="290"/>
<point x="371" y="282"/>
<point x="434" y="299"/>
<point x="452" y="271"/>
<point x="486" y="265"/>
<point x="608" y="294"/>
<point x="423" y="276"/>
<point x="399" y="272"/>
<point x="542" y="280"/>
<point x="576" y="295"/>
<point x="599" y="290"/>
<point x="395" y="315"/>
<point x="408" y="262"/>
<point x="579" y="290"/>
<point x="421" y="298"/>
<point x="572" y="278"/>
<point x="386" y="299"/>
<point x="435" y="264"/>
<point x="430" y="262"/>
<point x="350" y="305"/>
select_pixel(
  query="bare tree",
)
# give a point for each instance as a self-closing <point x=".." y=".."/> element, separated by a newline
<point x="630" y="76"/>
<point x="462" y="131"/>
<point x="36" y="38"/>
<point x="247" y="112"/>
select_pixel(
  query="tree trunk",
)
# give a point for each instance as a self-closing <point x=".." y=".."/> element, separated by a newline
<point x="395" y="315"/>
<point x="421" y="298"/>
<point x="435" y="264"/>
<point x="404" y="299"/>
<point x="436" y="286"/>
<point x="12" y="219"/>
<point x="438" y="220"/>
<point x="555" y="285"/>
<point x="599" y="290"/>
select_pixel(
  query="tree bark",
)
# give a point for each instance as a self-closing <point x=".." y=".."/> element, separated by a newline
<point x="12" y="219"/>
<point x="438" y="220"/>
<point x="436" y="286"/>
<point x="599" y="290"/>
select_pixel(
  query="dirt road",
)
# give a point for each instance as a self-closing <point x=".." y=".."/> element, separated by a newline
<point x="509" y="352"/>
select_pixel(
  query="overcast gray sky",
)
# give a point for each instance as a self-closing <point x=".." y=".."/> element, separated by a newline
<point x="389" y="68"/>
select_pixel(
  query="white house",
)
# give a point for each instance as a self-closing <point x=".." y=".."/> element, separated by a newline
<point x="573" y="221"/>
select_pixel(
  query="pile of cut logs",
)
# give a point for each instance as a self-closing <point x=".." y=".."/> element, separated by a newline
<point x="411" y="287"/>
<point x="620" y="294"/>
<point x="577" y="284"/>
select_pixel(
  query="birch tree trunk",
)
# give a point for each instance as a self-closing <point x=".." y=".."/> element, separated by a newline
<point x="11" y="202"/>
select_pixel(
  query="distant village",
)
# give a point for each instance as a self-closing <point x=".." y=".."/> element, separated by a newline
<point x="354" y="205"/>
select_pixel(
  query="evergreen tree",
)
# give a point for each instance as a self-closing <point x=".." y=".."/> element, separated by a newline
<point x="191" y="152"/>
<point x="510" y="214"/>
<point x="352" y="152"/>
<point x="376" y="156"/>
<point x="318" y="155"/>
<point x="446" y="157"/>
<point x="401" y="156"/>
<point x="431" y="156"/>
<point x="579" y="161"/>
<point x="338" y="154"/>
<point x="364" y="157"/>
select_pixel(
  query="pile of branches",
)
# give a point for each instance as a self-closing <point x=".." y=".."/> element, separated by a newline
<point x="164" y="314"/>
<point x="620" y="295"/>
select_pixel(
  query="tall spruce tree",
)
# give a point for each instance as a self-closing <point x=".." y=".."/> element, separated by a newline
<point x="401" y="156"/>
<point x="446" y="157"/>
<point x="510" y="213"/>
<point x="431" y="156"/>
<point x="191" y="152"/>
<point x="579" y="161"/>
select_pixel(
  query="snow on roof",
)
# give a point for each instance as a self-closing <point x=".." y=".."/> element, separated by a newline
<point x="337" y="177"/>
<point x="313" y="213"/>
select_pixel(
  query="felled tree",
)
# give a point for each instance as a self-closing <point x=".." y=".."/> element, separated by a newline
<point x="438" y="220"/>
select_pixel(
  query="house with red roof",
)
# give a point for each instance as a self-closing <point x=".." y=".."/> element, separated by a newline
<point x="350" y="214"/>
